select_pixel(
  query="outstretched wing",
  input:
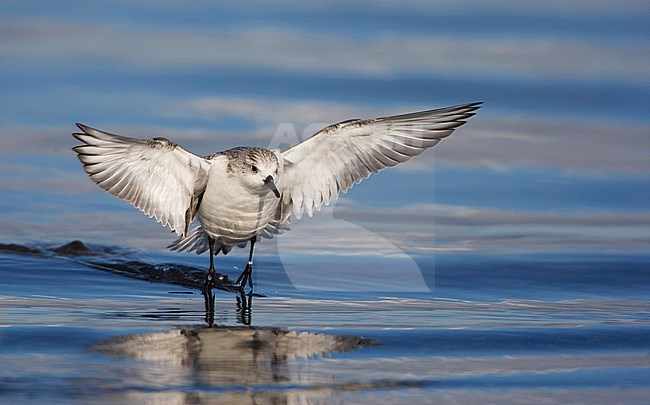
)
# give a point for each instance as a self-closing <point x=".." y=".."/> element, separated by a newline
<point x="156" y="176"/>
<point x="342" y="154"/>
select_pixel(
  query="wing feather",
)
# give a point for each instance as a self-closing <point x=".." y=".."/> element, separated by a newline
<point x="157" y="176"/>
<point x="340" y="155"/>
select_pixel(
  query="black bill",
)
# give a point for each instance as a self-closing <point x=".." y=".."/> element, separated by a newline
<point x="270" y="184"/>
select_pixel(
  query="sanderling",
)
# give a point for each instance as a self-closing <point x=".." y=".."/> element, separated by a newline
<point x="245" y="193"/>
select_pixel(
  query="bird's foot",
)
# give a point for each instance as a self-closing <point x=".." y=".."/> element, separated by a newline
<point x="209" y="297"/>
<point x="209" y="281"/>
<point x="244" y="308"/>
<point x="246" y="277"/>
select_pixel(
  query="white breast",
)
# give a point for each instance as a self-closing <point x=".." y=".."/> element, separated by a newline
<point x="231" y="213"/>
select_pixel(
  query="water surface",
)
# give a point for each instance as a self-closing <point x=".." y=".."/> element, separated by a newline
<point x="102" y="325"/>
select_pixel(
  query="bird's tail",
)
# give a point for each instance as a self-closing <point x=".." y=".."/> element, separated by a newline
<point x="196" y="239"/>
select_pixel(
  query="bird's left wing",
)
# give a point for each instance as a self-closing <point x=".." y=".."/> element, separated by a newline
<point x="338" y="156"/>
<point x="156" y="176"/>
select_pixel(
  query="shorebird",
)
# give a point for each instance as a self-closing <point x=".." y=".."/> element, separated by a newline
<point x="245" y="193"/>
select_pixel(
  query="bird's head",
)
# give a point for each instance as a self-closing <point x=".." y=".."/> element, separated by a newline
<point x="260" y="170"/>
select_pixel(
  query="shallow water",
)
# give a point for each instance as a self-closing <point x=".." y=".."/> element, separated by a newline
<point x="107" y="325"/>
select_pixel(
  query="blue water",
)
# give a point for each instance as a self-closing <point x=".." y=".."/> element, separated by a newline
<point x="517" y="328"/>
<point x="509" y="265"/>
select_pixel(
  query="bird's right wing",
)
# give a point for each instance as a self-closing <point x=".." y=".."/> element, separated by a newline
<point x="157" y="176"/>
<point x="335" y="158"/>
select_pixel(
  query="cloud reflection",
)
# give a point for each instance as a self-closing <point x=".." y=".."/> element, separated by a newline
<point x="302" y="51"/>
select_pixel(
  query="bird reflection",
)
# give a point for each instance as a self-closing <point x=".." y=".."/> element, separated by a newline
<point x="210" y="359"/>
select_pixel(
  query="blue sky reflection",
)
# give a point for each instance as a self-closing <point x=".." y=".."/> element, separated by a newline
<point x="555" y="161"/>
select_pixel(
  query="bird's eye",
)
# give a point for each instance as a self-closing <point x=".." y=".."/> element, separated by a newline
<point x="254" y="168"/>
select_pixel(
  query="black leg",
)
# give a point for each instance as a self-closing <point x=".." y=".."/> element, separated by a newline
<point x="247" y="275"/>
<point x="245" y="308"/>
<point x="208" y="296"/>
<point x="209" y="280"/>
